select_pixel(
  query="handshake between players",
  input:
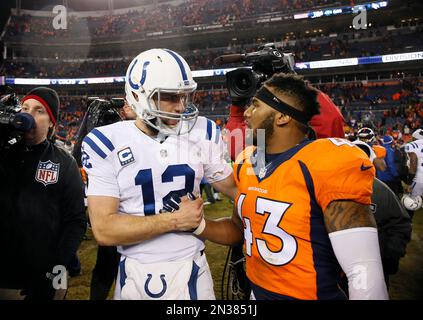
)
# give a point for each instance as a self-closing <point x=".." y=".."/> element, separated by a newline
<point x="187" y="213"/>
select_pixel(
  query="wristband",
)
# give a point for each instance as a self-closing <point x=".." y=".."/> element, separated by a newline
<point x="200" y="227"/>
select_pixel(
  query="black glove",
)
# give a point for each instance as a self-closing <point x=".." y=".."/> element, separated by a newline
<point x="172" y="200"/>
<point x="171" y="203"/>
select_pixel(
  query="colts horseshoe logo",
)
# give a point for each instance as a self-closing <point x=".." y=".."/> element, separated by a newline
<point x="155" y="295"/>
<point x="133" y="85"/>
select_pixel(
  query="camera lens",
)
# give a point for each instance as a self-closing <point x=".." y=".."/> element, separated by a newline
<point x="243" y="82"/>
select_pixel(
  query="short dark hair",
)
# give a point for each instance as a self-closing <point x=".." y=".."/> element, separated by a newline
<point x="295" y="86"/>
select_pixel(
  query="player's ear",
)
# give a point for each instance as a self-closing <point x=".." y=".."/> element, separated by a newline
<point x="282" y="119"/>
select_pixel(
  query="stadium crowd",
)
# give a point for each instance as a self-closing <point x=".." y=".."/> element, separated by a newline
<point x="160" y="17"/>
<point x="388" y="108"/>
<point x="318" y="47"/>
<point x="392" y="109"/>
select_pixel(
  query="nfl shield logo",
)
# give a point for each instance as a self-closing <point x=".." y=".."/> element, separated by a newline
<point x="47" y="172"/>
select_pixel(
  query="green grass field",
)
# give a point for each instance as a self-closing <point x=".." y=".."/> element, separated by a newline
<point x="406" y="284"/>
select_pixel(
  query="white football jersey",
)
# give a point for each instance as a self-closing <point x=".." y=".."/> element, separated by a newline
<point x="123" y="162"/>
<point x="417" y="148"/>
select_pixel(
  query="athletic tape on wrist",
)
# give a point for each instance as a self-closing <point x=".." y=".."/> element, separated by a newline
<point x="200" y="227"/>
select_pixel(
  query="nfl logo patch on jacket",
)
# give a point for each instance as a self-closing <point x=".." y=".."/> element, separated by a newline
<point x="47" y="172"/>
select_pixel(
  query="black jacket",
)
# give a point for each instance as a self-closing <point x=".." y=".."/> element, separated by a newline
<point x="42" y="219"/>
<point x="393" y="223"/>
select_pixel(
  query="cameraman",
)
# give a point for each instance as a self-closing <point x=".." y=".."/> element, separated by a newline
<point x="42" y="220"/>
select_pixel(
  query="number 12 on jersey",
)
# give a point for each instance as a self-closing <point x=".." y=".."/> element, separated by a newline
<point x="144" y="178"/>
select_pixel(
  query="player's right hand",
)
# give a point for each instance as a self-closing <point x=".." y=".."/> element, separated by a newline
<point x="189" y="214"/>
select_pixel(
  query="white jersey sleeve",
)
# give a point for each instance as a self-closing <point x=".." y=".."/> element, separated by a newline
<point x="411" y="147"/>
<point x="96" y="159"/>
<point x="215" y="168"/>
<point x="417" y="148"/>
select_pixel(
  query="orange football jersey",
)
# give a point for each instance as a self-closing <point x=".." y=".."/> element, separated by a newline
<point x="83" y="175"/>
<point x="380" y="151"/>
<point x="281" y="204"/>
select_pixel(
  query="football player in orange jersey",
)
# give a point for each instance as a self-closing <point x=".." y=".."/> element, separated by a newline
<point x="368" y="136"/>
<point x="302" y="205"/>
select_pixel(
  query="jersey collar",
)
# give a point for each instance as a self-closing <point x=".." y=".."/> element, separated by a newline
<point x="263" y="171"/>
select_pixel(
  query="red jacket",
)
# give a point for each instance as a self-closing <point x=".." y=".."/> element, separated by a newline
<point x="330" y="122"/>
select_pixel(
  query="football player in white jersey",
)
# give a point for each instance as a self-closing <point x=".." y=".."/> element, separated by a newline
<point x="138" y="169"/>
<point x="414" y="150"/>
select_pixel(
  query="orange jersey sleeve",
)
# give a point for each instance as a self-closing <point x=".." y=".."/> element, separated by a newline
<point x="83" y="175"/>
<point x="342" y="172"/>
<point x="380" y="151"/>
